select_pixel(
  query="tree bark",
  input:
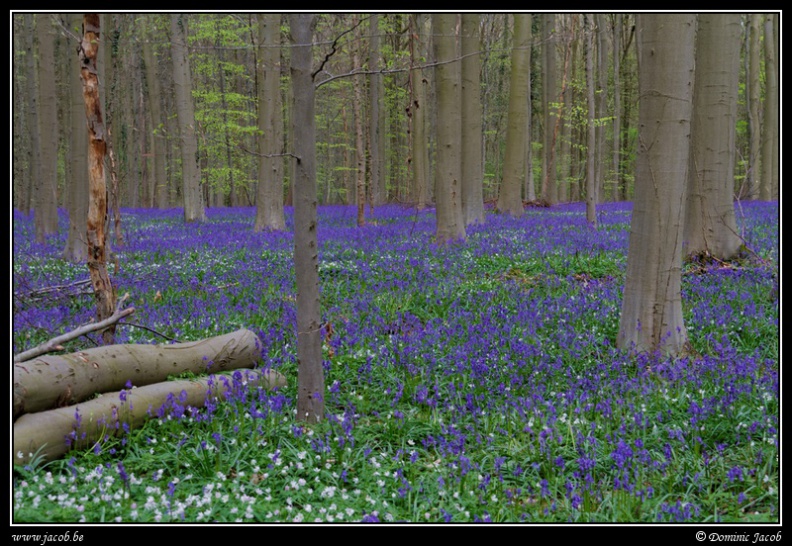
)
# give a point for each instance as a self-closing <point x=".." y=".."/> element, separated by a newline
<point x="76" y="249"/>
<point x="592" y="185"/>
<point x="360" y="145"/>
<point x="379" y="193"/>
<point x="529" y="191"/>
<point x="472" y="164"/>
<point x="651" y="314"/>
<point x="448" y="174"/>
<point x="549" y="183"/>
<point x="418" y="108"/>
<point x="194" y="210"/>
<point x="601" y="106"/>
<point x="53" y="433"/>
<point x="617" y="25"/>
<point x="769" y="176"/>
<point x="104" y="290"/>
<point x="46" y="209"/>
<point x="510" y="198"/>
<point x="31" y="113"/>
<point x="51" y="381"/>
<point x="710" y="224"/>
<point x="269" y="200"/>
<point x="310" y="375"/>
<point x="753" y="91"/>
<point x="159" y="182"/>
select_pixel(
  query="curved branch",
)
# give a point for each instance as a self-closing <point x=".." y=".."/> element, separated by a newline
<point x="55" y="343"/>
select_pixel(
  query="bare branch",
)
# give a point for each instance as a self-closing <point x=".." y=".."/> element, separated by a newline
<point x="358" y="72"/>
<point x="334" y="46"/>
<point x="54" y="343"/>
<point x="251" y="152"/>
<point x="153" y="331"/>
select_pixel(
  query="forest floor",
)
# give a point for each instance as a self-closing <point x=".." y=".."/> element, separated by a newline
<point x="473" y="382"/>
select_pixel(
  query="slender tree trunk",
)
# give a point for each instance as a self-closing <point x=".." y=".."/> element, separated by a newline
<point x="141" y="193"/>
<point x="769" y="177"/>
<point x="710" y="224"/>
<point x="269" y="200"/>
<point x="573" y="189"/>
<point x="310" y="375"/>
<point x="159" y="195"/>
<point x="628" y="88"/>
<point x="472" y="166"/>
<point x="376" y="118"/>
<point x="549" y="183"/>
<point x="77" y="194"/>
<point x="350" y="195"/>
<point x="360" y="145"/>
<point x="97" y="206"/>
<point x="32" y="112"/>
<point x="651" y="315"/>
<point x="110" y="101"/>
<point x="592" y="186"/>
<point x="46" y="209"/>
<point x="418" y="108"/>
<point x="21" y="170"/>
<point x="529" y="191"/>
<point x="617" y="179"/>
<point x="601" y="105"/>
<point x="448" y="175"/>
<point x="753" y="90"/>
<point x="510" y="199"/>
<point x="185" y="112"/>
<point x="233" y="198"/>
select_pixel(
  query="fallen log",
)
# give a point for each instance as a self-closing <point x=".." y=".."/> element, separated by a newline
<point x="48" y="435"/>
<point x="52" y="381"/>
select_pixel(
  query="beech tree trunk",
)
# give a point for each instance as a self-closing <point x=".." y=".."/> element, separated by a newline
<point x="97" y="204"/>
<point x="769" y="176"/>
<point x="472" y="164"/>
<point x="46" y="208"/>
<point x="51" y="381"/>
<point x="379" y="194"/>
<point x="310" y="375"/>
<point x="360" y="145"/>
<point x="592" y="184"/>
<point x="549" y="183"/>
<point x="753" y="92"/>
<point x="76" y="249"/>
<point x="194" y="210"/>
<point x="159" y="184"/>
<point x="418" y="110"/>
<point x="510" y="198"/>
<point x="710" y="224"/>
<point x="651" y="314"/>
<point x="53" y="433"/>
<point x="269" y="199"/>
<point x="448" y="174"/>
<point x="31" y="113"/>
<point x="617" y="26"/>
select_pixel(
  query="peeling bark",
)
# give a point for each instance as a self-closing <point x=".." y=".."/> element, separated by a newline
<point x="97" y="205"/>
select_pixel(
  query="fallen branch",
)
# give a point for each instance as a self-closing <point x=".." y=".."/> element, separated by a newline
<point x="52" y="381"/>
<point x="48" y="435"/>
<point x="55" y="343"/>
<point x="77" y="288"/>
